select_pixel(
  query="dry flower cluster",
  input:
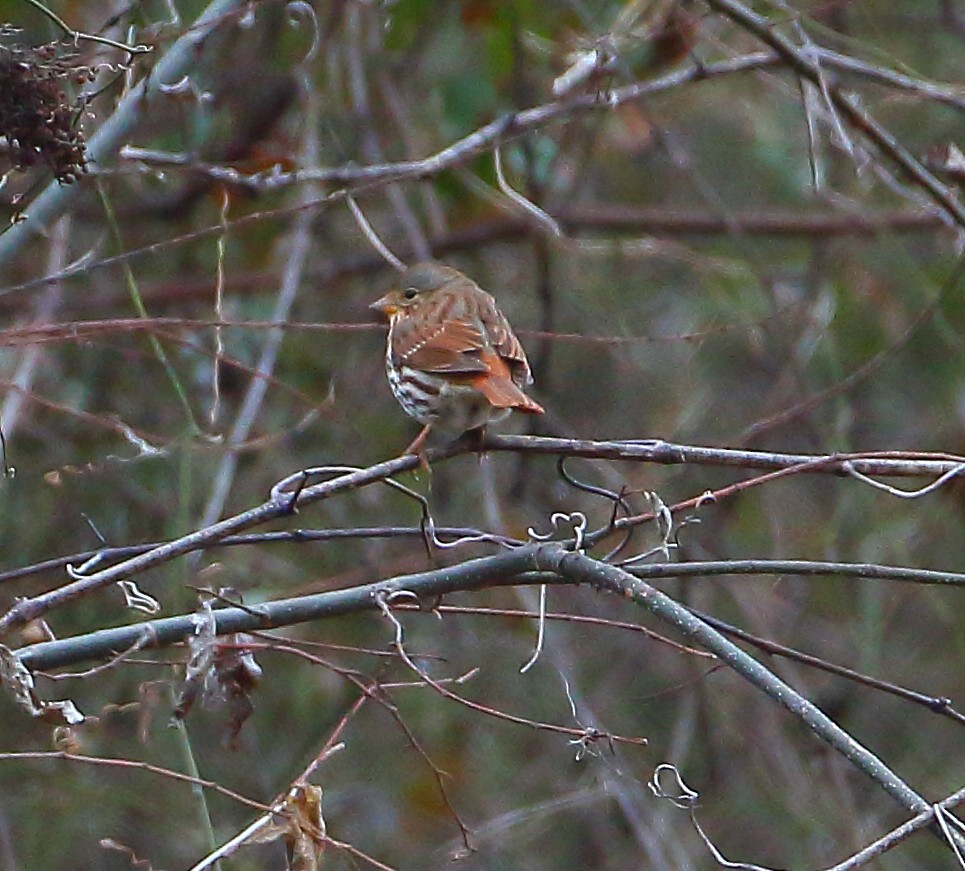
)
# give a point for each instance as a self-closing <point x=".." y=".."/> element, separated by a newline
<point x="37" y="116"/>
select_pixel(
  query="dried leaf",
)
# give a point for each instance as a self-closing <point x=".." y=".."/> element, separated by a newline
<point x="15" y="677"/>
<point x="218" y="671"/>
<point x="300" y="824"/>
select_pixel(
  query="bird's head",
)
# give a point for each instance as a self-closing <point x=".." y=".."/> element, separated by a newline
<point x="415" y="287"/>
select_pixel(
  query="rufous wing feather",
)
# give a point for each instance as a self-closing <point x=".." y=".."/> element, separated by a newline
<point x="447" y="346"/>
<point x="503" y="340"/>
<point x="498" y="387"/>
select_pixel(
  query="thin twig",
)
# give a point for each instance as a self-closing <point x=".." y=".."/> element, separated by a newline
<point x="295" y="257"/>
<point x="805" y="65"/>
<point x="643" y="220"/>
<point x="583" y="734"/>
<point x="373" y="237"/>
<point x="78" y="35"/>
<point x="133" y="764"/>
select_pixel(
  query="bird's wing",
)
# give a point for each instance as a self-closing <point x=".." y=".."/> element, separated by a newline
<point x="479" y="342"/>
<point x="504" y="342"/>
<point x="451" y="345"/>
<point x="499" y="385"/>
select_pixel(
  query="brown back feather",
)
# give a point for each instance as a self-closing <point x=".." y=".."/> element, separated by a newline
<point x="457" y="328"/>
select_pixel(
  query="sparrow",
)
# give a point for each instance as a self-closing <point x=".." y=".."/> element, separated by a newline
<point x="452" y="359"/>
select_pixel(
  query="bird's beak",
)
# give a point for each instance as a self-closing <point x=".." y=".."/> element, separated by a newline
<point x="385" y="305"/>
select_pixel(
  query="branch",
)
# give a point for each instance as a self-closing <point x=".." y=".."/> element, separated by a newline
<point x="898" y="463"/>
<point x="661" y="221"/>
<point x="503" y="569"/>
<point x="939" y="92"/>
<point x="179" y="58"/>
<point x="55" y="200"/>
<point x="806" y="65"/>
<point x="283" y="503"/>
<point x="582" y="569"/>
<point x="500" y="570"/>
<point x="936" y="704"/>
<point x="29" y="609"/>
<point x="486" y="138"/>
<point x="510" y="568"/>
<point x="803" y="568"/>
<point x="588" y="217"/>
<point x="513" y="126"/>
<point x="78" y="35"/>
<point x="131" y="765"/>
<point x="288" y="536"/>
<point x="896" y="836"/>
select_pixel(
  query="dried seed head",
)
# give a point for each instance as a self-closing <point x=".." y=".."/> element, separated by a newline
<point x="37" y="118"/>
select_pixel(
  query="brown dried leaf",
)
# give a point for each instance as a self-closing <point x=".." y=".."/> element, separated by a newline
<point x="300" y="824"/>
<point x="218" y="670"/>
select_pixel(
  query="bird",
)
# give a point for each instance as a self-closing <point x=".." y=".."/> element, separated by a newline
<point x="452" y="359"/>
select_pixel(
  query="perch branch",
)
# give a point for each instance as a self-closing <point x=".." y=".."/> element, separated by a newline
<point x="284" y="503"/>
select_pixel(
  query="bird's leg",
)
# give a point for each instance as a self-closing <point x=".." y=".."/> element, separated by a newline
<point x="474" y="439"/>
<point x="478" y="435"/>
<point x="418" y="446"/>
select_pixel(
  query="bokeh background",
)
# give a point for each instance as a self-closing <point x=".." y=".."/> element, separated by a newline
<point x="738" y="268"/>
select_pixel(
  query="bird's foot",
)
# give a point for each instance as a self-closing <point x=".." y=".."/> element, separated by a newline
<point x="418" y="447"/>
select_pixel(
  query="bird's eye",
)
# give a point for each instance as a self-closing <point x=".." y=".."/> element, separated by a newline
<point x="410" y="293"/>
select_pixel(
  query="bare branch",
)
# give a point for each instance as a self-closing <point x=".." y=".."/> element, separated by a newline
<point x="656" y="451"/>
<point x="590" y="217"/>
<point x="509" y="568"/>
<point x="79" y="35"/>
<point x="132" y="764"/>
<point x="807" y="66"/>
<point x="180" y="57"/>
<point x="579" y="568"/>
<point x="899" y="835"/>
<point x="569" y="566"/>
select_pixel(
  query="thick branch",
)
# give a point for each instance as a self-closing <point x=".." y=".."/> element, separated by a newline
<point x="471" y="575"/>
<point x="505" y="568"/>
<point x="179" y="59"/>
<point x="583" y="569"/>
<point x="884" y="463"/>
